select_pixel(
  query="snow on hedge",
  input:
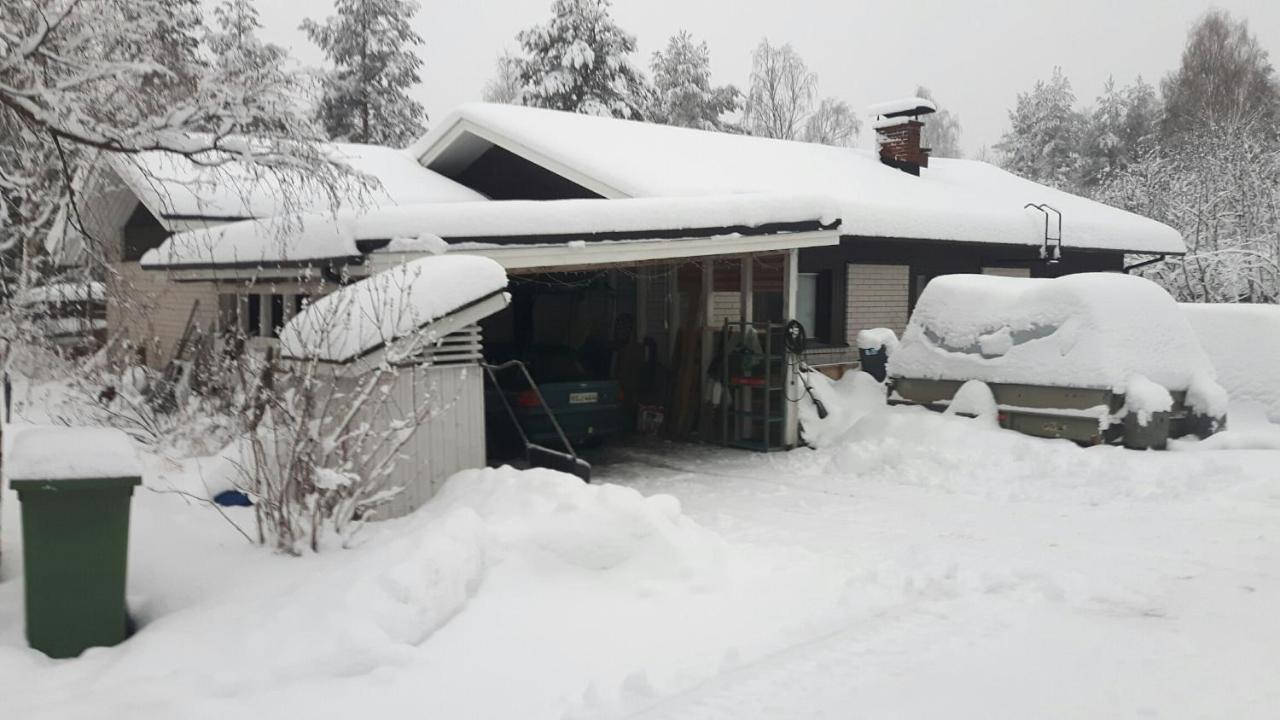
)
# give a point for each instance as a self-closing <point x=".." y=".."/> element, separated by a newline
<point x="45" y="452"/>
<point x="326" y="236"/>
<point x="1243" y="342"/>
<point x="393" y="304"/>
<point x="1089" y="330"/>
<point x="958" y="200"/>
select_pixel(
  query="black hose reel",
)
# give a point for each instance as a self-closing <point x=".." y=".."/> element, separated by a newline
<point x="794" y="340"/>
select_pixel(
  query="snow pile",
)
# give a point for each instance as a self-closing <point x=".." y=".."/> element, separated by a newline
<point x="1088" y="330"/>
<point x="956" y="200"/>
<point x="393" y="304"/>
<point x="1243" y="342"/>
<point x="579" y="598"/>
<point x="1206" y="396"/>
<point x="974" y="399"/>
<point x="874" y="338"/>
<point x="1145" y="398"/>
<point x="40" y="452"/>
<point x="847" y="401"/>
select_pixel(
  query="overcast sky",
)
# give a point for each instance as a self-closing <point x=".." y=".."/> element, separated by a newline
<point x="976" y="55"/>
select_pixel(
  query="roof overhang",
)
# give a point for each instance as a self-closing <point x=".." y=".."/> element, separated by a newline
<point x="564" y="257"/>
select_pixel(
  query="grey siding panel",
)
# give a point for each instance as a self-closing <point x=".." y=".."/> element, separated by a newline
<point x="878" y="296"/>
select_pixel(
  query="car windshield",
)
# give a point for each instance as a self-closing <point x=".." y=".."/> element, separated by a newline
<point x="554" y="363"/>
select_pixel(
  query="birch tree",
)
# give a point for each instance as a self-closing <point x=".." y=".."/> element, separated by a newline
<point x="781" y="92"/>
<point x="833" y="123"/>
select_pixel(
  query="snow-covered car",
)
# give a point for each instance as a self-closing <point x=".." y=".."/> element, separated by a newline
<point x="1095" y="357"/>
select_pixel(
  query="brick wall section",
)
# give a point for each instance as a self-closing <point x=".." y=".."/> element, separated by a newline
<point x="877" y="297"/>
<point x="151" y="311"/>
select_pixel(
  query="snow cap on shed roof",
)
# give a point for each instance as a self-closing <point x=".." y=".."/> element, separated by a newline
<point x="406" y="300"/>
<point x="955" y="200"/>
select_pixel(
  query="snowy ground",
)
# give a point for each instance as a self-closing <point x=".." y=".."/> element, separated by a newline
<point x="917" y="566"/>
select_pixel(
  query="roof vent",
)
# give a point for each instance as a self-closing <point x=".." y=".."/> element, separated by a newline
<point x="898" y="130"/>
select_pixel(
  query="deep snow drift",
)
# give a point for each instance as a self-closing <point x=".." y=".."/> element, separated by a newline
<point x="914" y="565"/>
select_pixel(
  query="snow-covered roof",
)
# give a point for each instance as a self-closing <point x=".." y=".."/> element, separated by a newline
<point x="313" y="237"/>
<point x="1088" y="330"/>
<point x="173" y="187"/>
<point x="62" y="292"/>
<point x="405" y="300"/>
<point x="953" y="200"/>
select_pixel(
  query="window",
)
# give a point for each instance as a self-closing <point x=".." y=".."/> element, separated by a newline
<point x="253" y="317"/>
<point x="807" y="302"/>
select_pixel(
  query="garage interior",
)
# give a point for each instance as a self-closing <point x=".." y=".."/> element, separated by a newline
<point x="655" y="330"/>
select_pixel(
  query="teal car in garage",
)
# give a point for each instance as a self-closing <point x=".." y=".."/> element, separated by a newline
<point x="588" y="410"/>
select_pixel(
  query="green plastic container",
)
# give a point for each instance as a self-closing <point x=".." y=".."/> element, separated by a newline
<point x="75" y="537"/>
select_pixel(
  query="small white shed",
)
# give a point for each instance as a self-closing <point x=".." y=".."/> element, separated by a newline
<point x="408" y="336"/>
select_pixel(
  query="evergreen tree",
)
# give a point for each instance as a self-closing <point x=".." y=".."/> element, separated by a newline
<point x="781" y="93"/>
<point x="580" y="62"/>
<point x="682" y="81"/>
<point x="234" y="39"/>
<point x="371" y="46"/>
<point x="941" y="130"/>
<point x="1225" y="78"/>
<point x="1141" y="117"/>
<point x="1043" y="140"/>
<point x="833" y="123"/>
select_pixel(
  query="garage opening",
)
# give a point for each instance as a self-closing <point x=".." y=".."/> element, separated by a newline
<point x="624" y="350"/>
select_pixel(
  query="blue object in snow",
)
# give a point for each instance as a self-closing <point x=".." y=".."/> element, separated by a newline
<point x="232" y="498"/>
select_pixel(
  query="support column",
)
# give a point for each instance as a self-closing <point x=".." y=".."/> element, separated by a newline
<point x="748" y="290"/>
<point x="790" y="281"/>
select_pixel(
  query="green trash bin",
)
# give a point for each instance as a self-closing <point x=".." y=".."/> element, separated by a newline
<point x="75" y="541"/>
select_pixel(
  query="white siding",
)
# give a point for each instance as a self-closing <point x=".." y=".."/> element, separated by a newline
<point x="450" y="441"/>
<point x="877" y="297"/>
<point x="725" y="305"/>
<point x="1007" y="272"/>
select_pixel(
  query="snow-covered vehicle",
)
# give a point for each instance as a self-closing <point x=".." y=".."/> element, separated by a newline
<point x="1094" y="358"/>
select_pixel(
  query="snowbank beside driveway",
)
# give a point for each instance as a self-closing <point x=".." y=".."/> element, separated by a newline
<point x="1243" y="341"/>
<point x="570" y="597"/>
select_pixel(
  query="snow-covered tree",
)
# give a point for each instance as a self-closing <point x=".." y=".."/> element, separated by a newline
<point x="682" y="81"/>
<point x="504" y="86"/>
<point x="580" y="61"/>
<point x="80" y="76"/>
<point x="781" y="93"/>
<point x="373" y="52"/>
<point x="833" y="123"/>
<point x="1221" y="188"/>
<point x="1043" y="140"/>
<point x="1225" y="78"/>
<point x="941" y="130"/>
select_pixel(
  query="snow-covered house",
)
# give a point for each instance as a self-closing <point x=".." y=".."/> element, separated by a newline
<point x="130" y="205"/>
<point x="646" y="235"/>
<point x="899" y="229"/>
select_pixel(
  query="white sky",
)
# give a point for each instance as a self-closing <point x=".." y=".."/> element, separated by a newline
<point x="975" y="55"/>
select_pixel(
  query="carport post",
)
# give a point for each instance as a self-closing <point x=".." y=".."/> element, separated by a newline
<point x="790" y="279"/>
<point x="748" y="293"/>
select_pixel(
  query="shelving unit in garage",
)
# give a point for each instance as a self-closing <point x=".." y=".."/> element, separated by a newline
<point x="753" y="371"/>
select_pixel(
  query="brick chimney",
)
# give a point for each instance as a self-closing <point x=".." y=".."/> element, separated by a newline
<point x="898" y="129"/>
